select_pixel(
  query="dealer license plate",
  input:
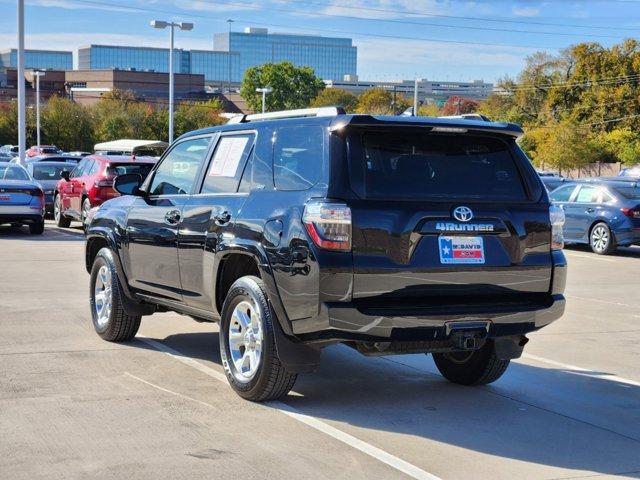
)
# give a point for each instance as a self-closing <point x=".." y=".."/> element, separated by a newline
<point x="455" y="250"/>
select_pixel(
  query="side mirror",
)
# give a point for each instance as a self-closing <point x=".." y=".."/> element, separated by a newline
<point x="128" y="184"/>
<point x="65" y="174"/>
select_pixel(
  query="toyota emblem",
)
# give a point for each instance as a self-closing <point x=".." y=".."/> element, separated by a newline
<point x="462" y="214"/>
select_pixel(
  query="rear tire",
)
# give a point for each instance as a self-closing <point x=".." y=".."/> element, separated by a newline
<point x="477" y="367"/>
<point x="247" y="344"/>
<point x="36" y="228"/>
<point x="58" y="215"/>
<point x="109" y="317"/>
<point x="601" y="239"/>
<point x="86" y="206"/>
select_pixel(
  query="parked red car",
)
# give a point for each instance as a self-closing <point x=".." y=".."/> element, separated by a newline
<point x="90" y="184"/>
<point x="37" y="150"/>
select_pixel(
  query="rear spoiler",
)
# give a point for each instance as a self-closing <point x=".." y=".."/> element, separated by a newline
<point x="442" y="124"/>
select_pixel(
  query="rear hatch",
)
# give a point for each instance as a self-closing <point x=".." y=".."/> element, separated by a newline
<point x="442" y="217"/>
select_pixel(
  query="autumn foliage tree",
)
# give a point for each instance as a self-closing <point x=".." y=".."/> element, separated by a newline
<point x="458" y="106"/>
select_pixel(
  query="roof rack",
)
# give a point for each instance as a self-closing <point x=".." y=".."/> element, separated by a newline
<point x="303" y="112"/>
<point x="468" y="116"/>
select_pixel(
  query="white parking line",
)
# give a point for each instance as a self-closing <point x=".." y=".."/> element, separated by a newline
<point x="597" y="300"/>
<point x="590" y="257"/>
<point x="375" y="452"/>
<point x="582" y="371"/>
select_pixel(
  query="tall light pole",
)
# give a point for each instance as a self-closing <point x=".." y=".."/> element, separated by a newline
<point x="264" y="91"/>
<point x="229" y="21"/>
<point x="182" y="26"/>
<point x="415" y="96"/>
<point x="22" y="129"/>
<point x="38" y="74"/>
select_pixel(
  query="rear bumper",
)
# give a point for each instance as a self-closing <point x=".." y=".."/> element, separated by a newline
<point x="629" y="236"/>
<point x="21" y="218"/>
<point x="345" y="321"/>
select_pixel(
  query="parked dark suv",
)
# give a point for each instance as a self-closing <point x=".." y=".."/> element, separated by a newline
<point x="296" y="230"/>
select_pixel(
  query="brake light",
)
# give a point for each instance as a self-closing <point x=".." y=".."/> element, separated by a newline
<point x="631" y="212"/>
<point x="37" y="192"/>
<point x="556" y="216"/>
<point x="328" y="224"/>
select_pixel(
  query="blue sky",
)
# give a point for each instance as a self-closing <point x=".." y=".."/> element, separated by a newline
<point x="395" y="38"/>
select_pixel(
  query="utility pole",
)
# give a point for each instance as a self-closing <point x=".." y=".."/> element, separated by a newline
<point x="37" y="74"/>
<point x="415" y="96"/>
<point x="22" y="118"/>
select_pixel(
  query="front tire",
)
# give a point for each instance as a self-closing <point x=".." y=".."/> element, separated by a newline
<point x="58" y="215"/>
<point x="110" y="320"/>
<point x="247" y="344"/>
<point x="476" y="367"/>
<point x="601" y="239"/>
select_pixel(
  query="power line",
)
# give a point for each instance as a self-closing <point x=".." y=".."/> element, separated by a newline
<point x="317" y="29"/>
<point x="458" y="17"/>
<point x="409" y="22"/>
<point x="585" y="83"/>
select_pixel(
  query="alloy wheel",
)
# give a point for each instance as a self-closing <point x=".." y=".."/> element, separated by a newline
<point x="245" y="341"/>
<point x="600" y="238"/>
<point x="56" y="208"/>
<point x="102" y="296"/>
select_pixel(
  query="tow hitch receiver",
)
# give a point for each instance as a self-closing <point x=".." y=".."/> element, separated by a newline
<point x="467" y="335"/>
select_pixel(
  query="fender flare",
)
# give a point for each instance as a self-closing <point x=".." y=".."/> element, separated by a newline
<point x="296" y="356"/>
<point x="130" y="303"/>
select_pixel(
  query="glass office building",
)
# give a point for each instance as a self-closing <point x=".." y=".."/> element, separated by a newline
<point x="220" y="67"/>
<point x="234" y="52"/>
<point x="331" y="58"/>
<point x="39" y="59"/>
<point x="109" y="57"/>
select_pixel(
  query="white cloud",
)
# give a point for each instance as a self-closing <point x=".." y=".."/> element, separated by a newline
<point x="525" y="11"/>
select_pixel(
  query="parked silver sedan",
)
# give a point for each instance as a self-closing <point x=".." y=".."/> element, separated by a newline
<point x="21" y="198"/>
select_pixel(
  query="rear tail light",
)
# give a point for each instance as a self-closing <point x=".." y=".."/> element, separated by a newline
<point x="631" y="212"/>
<point x="328" y="223"/>
<point x="37" y="192"/>
<point x="556" y="216"/>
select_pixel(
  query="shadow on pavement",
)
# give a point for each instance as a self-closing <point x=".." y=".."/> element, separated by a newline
<point x="8" y="232"/>
<point x="539" y="415"/>
<point x="630" y="252"/>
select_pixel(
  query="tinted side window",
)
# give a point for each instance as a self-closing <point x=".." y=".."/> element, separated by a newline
<point x="227" y="163"/>
<point x="177" y="172"/>
<point x="562" y="194"/>
<point x="297" y="157"/>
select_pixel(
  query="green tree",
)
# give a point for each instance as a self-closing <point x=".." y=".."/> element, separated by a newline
<point x="429" y="110"/>
<point x="338" y="97"/>
<point x="293" y="87"/>
<point x="119" y="114"/>
<point x="622" y="145"/>
<point x="67" y="125"/>
<point x="378" y="101"/>
<point x="563" y="146"/>
<point x="194" y="115"/>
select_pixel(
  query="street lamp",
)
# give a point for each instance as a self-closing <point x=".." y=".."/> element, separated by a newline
<point x="264" y="91"/>
<point x="160" y="24"/>
<point x="38" y="74"/>
<point x="230" y="21"/>
<point x="22" y="129"/>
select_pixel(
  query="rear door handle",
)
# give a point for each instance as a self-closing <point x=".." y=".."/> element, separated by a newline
<point x="222" y="218"/>
<point x="589" y="210"/>
<point x="172" y="217"/>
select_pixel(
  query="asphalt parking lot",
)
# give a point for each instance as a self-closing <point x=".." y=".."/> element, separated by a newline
<point x="75" y="407"/>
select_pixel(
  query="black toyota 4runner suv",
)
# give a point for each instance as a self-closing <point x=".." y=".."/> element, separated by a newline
<point x="297" y="230"/>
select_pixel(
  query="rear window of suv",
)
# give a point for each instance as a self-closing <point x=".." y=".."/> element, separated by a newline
<point x="414" y="165"/>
